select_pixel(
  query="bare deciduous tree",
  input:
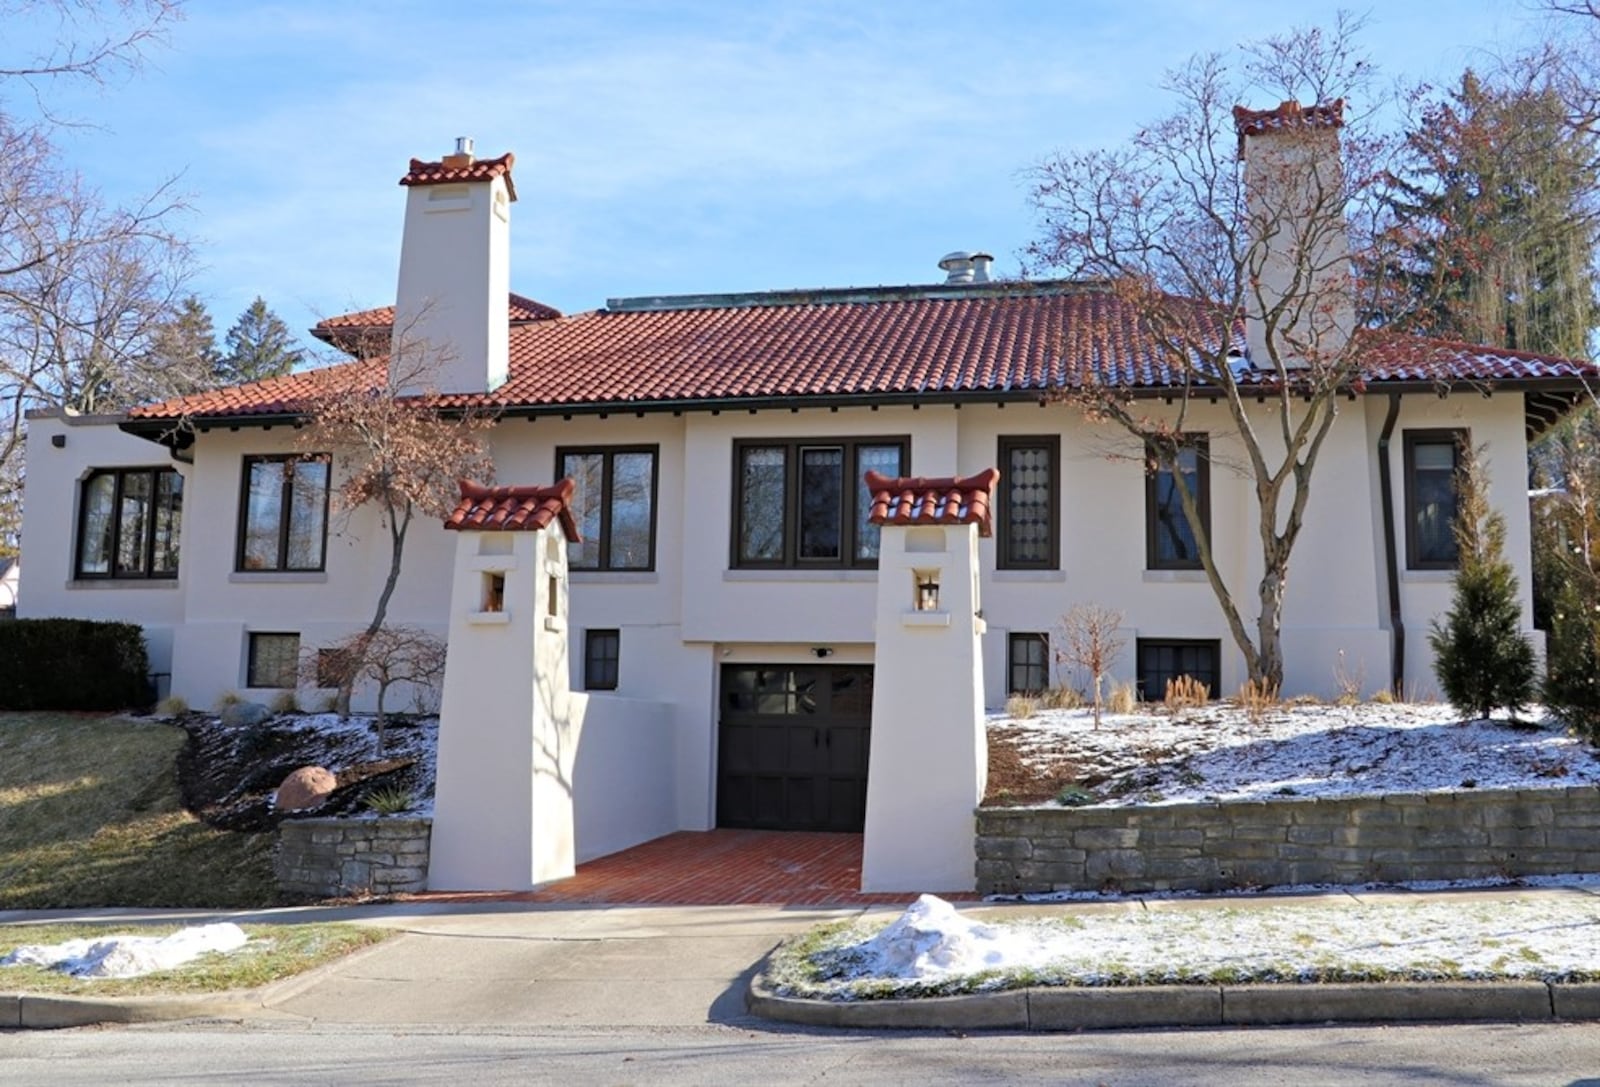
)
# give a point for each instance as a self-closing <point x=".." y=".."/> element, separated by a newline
<point x="401" y="456"/>
<point x="1202" y="249"/>
<point x="384" y="657"/>
<point x="82" y="284"/>
<point x="1090" y="640"/>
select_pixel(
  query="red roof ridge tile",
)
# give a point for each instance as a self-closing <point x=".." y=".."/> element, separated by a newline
<point x="1288" y="114"/>
<point x="933" y="500"/>
<point x="515" y="508"/>
<point x="453" y="171"/>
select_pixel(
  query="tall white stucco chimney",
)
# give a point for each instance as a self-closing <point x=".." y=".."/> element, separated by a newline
<point x="450" y="322"/>
<point x="1299" y="293"/>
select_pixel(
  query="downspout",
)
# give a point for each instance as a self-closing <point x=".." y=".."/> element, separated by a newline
<point x="1397" y="666"/>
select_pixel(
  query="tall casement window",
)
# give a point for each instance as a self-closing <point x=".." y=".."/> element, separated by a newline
<point x="1169" y="538"/>
<point x="803" y="503"/>
<point x="1029" y="663"/>
<point x="128" y="523"/>
<point x="1432" y="466"/>
<point x="1030" y="487"/>
<point x="615" y="506"/>
<point x="602" y="652"/>
<point x="283" y="513"/>
<point x="274" y="660"/>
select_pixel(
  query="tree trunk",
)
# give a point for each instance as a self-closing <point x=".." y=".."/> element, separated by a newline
<point x="399" y="525"/>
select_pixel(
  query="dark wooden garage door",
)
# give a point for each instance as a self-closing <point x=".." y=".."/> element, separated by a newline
<point x="792" y="751"/>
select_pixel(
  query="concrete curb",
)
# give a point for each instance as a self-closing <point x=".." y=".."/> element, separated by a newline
<point x="52" y="1011"/>
<point x="1049" y="1009"/>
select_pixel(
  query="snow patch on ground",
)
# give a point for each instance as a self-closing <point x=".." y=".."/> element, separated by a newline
<point x="127" y="956"/>
<point x="1218" y="752"/>
<point x="1545" y="935"/>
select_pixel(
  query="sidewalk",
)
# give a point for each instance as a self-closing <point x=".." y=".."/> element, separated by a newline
<point x="518" y="964"/>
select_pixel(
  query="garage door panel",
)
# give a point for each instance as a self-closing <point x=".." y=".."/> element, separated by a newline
<point x="794" y="742"/>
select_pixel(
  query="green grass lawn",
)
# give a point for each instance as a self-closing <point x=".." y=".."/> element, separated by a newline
<point x="90" y="816"/>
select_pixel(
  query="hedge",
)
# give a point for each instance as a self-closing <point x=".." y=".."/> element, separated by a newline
<point x="72" y="664"/>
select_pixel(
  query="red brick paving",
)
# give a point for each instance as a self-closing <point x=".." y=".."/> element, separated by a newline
<point x="717" y="868"/>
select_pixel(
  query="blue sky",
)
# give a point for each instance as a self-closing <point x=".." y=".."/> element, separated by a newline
<point x="663" y="148"/>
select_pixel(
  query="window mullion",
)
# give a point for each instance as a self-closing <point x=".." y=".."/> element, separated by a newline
<point x="285" y="511"/>
<point x="603" y="551"/>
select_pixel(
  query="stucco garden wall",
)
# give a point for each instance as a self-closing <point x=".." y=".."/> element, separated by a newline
<point x="340" y="858"/>
<point x="1215" y="846"/>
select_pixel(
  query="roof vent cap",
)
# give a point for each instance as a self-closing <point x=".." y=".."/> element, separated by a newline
<point x="966" y="267"/>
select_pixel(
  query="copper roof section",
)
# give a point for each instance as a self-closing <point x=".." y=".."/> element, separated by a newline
<point x="942" y="500"/>
<point x="457" y="170"/>
<point x="514" y="509"/>
<point x="1011" y="341"/>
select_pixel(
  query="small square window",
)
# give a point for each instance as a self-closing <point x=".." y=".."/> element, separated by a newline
<point x="274" y="660"/>
<point x="1029" y="664"/>
<point x="1164" y="660"/>
<point x="602" y="650"/>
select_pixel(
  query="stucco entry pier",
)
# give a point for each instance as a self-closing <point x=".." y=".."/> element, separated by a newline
<point x="503" y="798"/>
<point x="929" y="759"/>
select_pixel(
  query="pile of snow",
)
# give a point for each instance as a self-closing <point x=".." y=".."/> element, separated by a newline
<point x="1218" y="753"/>
<point x="125" y="956"/>
<point x="932" y="940"/>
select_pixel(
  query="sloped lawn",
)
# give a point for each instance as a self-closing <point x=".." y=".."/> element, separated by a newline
<point x="90" y="816"/>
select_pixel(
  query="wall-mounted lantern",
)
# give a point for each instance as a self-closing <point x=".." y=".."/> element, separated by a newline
<point x="927" y="590"/>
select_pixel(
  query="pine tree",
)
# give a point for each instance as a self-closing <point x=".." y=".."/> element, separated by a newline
<point x="1495" y="219"/>
<point x="259" y="345"/>
<point x="184" y="348"/>
<point x="1481" y="659"/>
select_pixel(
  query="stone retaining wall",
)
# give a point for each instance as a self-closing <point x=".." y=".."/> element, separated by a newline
<point x="1467" y="834"/>
<point x="345" y="858"/>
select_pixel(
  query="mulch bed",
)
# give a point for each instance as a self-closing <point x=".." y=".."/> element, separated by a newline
<point x="227" y="775"/>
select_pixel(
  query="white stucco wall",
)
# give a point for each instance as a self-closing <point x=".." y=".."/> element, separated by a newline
<point x="50" y="530"/>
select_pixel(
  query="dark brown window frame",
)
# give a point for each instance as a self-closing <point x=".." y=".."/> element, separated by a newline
<point x="791" y="500"/>
<point x="1410" y="439"/>
<point x="149" y="542"/>
<point x="1003" y="559"/>
<point x="1022" y="637"/>
<point x="283" y="513"/>
<point x="250" y="659"/>
<point x="1201" y="443"/>
<point x="1142" y="644"/>
<point x="590" y="657"/>
<point x="608" y="452"/>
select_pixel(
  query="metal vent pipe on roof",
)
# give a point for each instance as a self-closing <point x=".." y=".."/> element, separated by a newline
<point x="964" y="267"/>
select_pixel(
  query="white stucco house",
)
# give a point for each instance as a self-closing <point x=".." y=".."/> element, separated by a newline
<point x="728" y="583"/>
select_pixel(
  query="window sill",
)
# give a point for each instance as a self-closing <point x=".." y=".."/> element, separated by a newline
<point x="1024" y="577"/>
<point x="488" y="618"/>
<point x="163" y="583"/>
<point x="800" y="575"/>
<point x="1178" y="577"/>
<point x="1435" y="577"/>
<point x="614" y="577"/>
<point x="924" y="618"/>
<point x="278" y="577"/>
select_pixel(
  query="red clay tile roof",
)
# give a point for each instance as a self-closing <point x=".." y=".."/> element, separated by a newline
<point x="1007" y="341"/>
<point x="944" y="500"/>
<point x="447" y="172"/>
<point x="347" y="330"/>
<point x="514" y="509"/>
<point x="1290" y="114"/>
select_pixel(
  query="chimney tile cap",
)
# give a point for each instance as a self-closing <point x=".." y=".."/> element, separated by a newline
<point x="452" y="171"/>
<point x="1285" y="117"/>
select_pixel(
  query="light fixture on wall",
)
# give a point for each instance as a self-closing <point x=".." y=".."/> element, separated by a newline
<point x="822" y="651"/>
<point x="927" y="590"/>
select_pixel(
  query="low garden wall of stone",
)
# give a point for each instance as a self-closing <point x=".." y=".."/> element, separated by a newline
<point x="1467" y="834"/>
<point x="345" y="858"/>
